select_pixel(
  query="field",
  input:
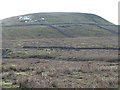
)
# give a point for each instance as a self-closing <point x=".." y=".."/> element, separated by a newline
<point x="57" y="25"/>
<point x="59" y="50"/>
<point x="41" y="73"/>
<point x="58" y="67"/>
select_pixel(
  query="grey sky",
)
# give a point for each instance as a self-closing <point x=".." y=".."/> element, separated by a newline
<point x="107" y="9"/>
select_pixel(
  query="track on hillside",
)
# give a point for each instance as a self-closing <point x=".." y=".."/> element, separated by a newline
<point x="60" y="30"/>
<point x="64" y="23"/>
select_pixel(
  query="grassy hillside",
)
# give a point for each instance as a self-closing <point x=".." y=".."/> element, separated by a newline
<point x="57" y="25"/>
<point x="59" y="50"/>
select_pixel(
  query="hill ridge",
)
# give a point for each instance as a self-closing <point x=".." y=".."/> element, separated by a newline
<point x="57" y="25"/>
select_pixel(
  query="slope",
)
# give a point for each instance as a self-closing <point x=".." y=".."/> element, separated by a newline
<point x="57" y="25"/>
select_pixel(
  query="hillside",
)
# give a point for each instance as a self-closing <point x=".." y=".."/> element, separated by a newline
<point x="59" y="50"/>
<point x="57" y="25"/>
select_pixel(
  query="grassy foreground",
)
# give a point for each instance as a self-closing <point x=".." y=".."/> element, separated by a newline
<point x="41" y="73"/>
<point x="57" y="68"/>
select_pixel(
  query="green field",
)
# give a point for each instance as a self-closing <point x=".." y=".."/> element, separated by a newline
<point x="87" y="25"/>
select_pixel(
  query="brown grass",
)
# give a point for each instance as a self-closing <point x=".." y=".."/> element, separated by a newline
<point x="35" y="73"/>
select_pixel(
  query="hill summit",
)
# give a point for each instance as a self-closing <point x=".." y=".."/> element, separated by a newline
<point x="57" y="25"/>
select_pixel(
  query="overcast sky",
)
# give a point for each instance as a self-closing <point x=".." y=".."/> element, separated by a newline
<point x="107" y="9"/>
